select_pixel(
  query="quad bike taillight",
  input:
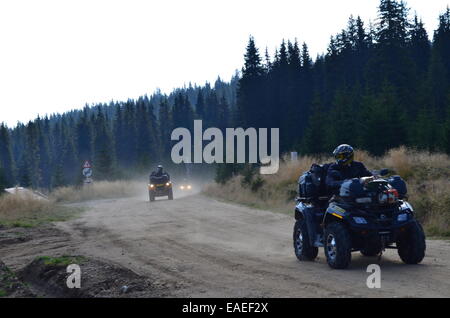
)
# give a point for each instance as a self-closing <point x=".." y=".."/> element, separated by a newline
<point x="388" y="197"/>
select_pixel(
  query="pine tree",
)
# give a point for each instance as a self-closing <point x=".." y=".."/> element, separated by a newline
<point x="200" y="105"/>
<point x="6" y="159"/>
<point x="384" y="121"/>
<point x="250" y="101"/>
<point x="223" y="114"/>
<point x="316" y="135"/>
<point x="391" y="60"/>
<point x="343" y="124"/>
<point x="58" y="179"/>
<point x="306" y="89"/>
<point x="129" y="148"/>
<point x="441" y="40"/>
<point x="44" y="153"/>
<point x="24" y="174"/>
<point x="145" y="143"/>
<point x="165" y="126"/>
<point x="69" y="160"/>
<point x="183" y="114"/>
<point x="103" y="163"/>
<point x="279" y="83"/>
<point x="439" y="69"/>
<point x="211" y="110"/>
<point x="426" y="130"/>
<point x="446" y="129"/>
<point x="419" y="46"/>
<point x="32" y="156"/>
<point x="84" y="136"/>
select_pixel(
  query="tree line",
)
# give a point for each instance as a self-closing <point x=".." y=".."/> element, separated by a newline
<point x="119" y="138"/>
<point x="377" y="86"/>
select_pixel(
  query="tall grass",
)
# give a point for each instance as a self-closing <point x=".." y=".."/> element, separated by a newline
<point x="427" y="175"/>
<point x="97" y="190"/>
<point x="28" y="211"/>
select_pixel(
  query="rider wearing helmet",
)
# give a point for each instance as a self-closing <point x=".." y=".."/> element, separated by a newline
<point x="344" y="168"/>
<point x="159" y="172"/>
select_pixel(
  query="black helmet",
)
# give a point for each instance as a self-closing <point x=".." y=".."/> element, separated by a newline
<point x="159" y="168"/>
<point x="343" y="154"/>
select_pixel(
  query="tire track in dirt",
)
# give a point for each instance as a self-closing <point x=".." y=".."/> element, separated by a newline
<point x="208" y="248"/>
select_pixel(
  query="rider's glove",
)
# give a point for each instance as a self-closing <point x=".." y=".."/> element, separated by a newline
<point x="366" y="180"/>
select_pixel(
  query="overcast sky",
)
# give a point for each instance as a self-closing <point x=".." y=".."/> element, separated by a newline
<point x="59" y="55"/>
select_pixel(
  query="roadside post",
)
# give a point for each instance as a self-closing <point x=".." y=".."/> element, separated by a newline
<point x="294" y="156"/>
<point x="87" y="173"/>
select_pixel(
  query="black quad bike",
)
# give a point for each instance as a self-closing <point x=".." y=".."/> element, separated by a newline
<point x="368" y="215"/>
<point x="159" y="187"/>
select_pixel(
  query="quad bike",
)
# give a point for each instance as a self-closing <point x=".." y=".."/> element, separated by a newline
<point x="185" y="186"/>
<point x="368" y="215"/>
<point x="160" y="186"/>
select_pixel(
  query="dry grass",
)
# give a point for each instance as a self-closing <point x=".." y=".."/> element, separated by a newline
<point x="97" y="190"/>
<point x="28" y="211"/>
<point x="431" y="200"/>
<point x="427" y="175"/>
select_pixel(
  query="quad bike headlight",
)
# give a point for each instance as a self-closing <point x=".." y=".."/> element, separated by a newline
<point x="152" y="185"/>
<point x="168" y="184"/>
<point x="182" y="187"/>
<point x="189" y="187"/>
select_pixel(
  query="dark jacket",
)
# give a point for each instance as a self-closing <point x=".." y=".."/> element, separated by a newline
<point x="337" y="174"/>
<point x="159" y="177"/>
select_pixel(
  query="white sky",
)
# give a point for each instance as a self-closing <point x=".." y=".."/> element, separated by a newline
<point x="59" y="55"/>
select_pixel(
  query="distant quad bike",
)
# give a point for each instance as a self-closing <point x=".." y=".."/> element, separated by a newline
<point x="366" y="216"/>
<point x="159" y="187"/>
<point x="185" y="186"/>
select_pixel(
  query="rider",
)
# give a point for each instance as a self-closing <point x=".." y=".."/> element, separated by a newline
<point x="159" y="172"/>
<point x="344" y="168"/>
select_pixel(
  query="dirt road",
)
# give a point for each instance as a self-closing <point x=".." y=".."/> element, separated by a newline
<point x="214" y="249"/>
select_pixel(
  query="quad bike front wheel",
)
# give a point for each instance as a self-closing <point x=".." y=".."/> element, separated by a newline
<point x="411" y="246"/>
<point x="302" y="246"/>
<point x="151" y="196"/>
<point x="170" y="196"/>
<point x="337" y="246"/>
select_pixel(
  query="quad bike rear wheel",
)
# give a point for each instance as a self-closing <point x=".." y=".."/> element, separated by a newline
<point x="151" y="196"/>
<point x="302" y="246"/>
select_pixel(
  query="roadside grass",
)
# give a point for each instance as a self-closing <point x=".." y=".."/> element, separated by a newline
<point x="427" y="176"/>
<point x="62" y="260"/>
<point x="97" y="190"/>
<point x="27" y="211"/>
